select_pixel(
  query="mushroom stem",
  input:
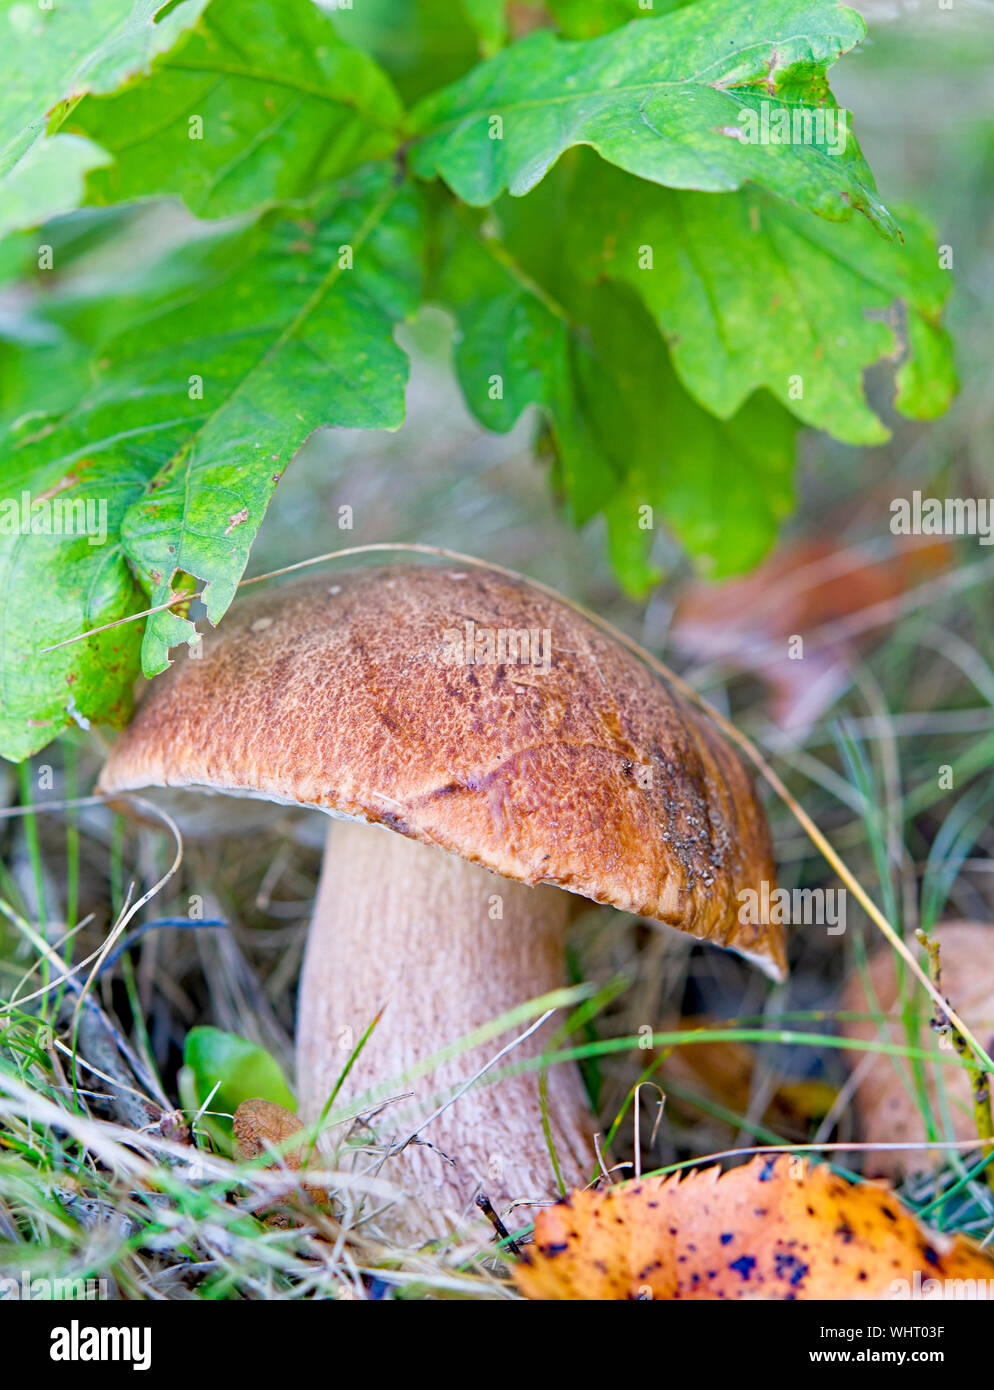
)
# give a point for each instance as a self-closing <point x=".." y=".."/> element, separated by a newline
<point x="442" y="946"/>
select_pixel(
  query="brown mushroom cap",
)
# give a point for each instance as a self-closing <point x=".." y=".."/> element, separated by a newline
<point x="349" y="694"/>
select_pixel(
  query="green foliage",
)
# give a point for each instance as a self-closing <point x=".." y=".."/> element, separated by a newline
<point x="584" y="357"/>
<point x="47" y="179"/>
<point x="749" y="292"/>
<point x="422" y="44"/>
<point x="674" y="303"/>
<point x="191" y="410"/>
<point x="488" y="21"/>
<point x="663" y="100"/>
<point x="585" y="19"/>
<point x="220" y="1070"/>
<point x="283" y="104"/>
<point x="55" y="55"/>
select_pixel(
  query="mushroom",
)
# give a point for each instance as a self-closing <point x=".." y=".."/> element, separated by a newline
<point x="886" y="1101"/>
<point x="429" y="710"/>
<point x="263" y="1127"/>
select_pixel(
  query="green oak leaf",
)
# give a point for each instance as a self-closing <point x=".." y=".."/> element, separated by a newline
<point x="325" y="356"/>
<point x="422" y="44"/>
<point x="489" y="21"/>
<point x="49" y="179"/>
<point x="926" y="380"/>
<point x="722" y="486"/>
<point x="751" y="292"/>
<point x="585" y="19"/>
<point x="676" y="100"/>
<point x="241" y="115"/>
<point x="53" y="586"/>
<point x="76" y="285"/>
<point x="193" y="407"/>
<point x="55" y="54"/>
<point x="627" y="436"/>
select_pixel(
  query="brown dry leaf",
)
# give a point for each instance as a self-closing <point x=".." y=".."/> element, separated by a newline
<point x="776" y="1228"/>
<point x="885" y="1101"/>
<point x="262" y="1126"/>
<point x="813" y="589"/>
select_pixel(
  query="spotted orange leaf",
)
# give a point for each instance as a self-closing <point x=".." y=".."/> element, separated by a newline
<point x="776" y="1228"/>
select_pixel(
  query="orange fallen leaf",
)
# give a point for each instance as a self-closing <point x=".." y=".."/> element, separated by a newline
<point x="775" y="1228"/>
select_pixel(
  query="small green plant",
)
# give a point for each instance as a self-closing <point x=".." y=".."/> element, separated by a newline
<point x="220" y="1070"/>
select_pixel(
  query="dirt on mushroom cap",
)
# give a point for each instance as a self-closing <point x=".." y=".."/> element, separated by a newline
<point x="583" y="769"/>
<point x="775" y="1228"/>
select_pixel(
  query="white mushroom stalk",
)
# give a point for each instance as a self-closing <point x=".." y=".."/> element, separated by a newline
<point x="455" y="948"/>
